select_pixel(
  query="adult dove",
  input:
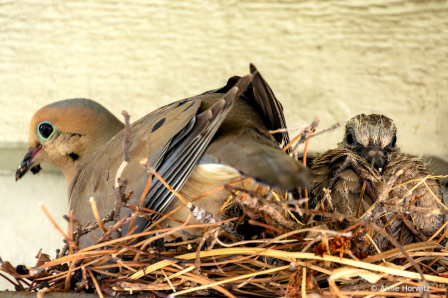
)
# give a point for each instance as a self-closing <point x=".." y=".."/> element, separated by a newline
<point x="195" y="144"/>
<point x="370" y="141"/>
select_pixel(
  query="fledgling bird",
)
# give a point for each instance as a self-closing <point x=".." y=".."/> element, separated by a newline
<point x="371" y="142"/>
<point x="216" y="137"/>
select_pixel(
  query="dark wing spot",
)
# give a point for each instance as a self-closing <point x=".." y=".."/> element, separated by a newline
<point x="170" y="104"/>
<point x="107" y="176"/>
<point x="184" y="102"/>
<point x="192" y="103"/>
<point x="75" y="134"/>
<point x="74" y="156"/>
<point x="97" y="184"/>
<point x="158" y="124"/>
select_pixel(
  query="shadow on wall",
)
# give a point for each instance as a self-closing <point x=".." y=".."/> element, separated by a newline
<point x="440" y="167"/>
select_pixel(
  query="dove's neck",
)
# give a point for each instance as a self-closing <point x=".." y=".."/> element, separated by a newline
<point x="88" y="149"/>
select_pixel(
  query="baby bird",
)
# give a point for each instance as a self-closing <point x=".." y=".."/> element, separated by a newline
<point x="369" y="154"/>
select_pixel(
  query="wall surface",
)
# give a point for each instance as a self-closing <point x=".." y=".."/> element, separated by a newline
<point x="330" y="58"/>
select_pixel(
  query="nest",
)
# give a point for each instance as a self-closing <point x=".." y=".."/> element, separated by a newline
<point x="277" y="248"/>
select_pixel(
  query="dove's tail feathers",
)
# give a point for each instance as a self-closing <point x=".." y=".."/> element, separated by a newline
<point x="269" y="106"/>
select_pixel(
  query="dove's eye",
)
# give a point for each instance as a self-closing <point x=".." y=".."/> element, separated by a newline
<point x="45" y="130"/>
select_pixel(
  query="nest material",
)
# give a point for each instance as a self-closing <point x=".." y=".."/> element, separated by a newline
<point x="275" y="249"/>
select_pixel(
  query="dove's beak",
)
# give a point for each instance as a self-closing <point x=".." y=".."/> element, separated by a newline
<point x="27" y="163"/>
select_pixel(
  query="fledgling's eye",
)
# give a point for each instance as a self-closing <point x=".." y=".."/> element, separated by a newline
<point x="394" y="141"/>
<point x="349" y="138"/>
<point x="45" y="130"/>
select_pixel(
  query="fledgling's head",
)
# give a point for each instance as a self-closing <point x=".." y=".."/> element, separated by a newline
<point x="373" y="137"/>
<point x="66" y="134"/>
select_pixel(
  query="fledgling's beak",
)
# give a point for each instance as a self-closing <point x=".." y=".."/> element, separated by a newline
<point x="378" y="159"/>
<point x="27" y="164"/>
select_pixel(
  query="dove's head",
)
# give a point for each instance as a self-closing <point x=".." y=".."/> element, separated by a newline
<point x="373" y="137"/>
<point x="66" y="134"/>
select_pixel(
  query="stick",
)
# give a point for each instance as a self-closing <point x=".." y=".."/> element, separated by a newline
<point x="113" y="228"/>
<point x="305" y="151"/>
<point x="358" y="209"/>
<point x="144" y="163"/>
<point x="120" y="185"/>
<point x="55" y="225"/>
<point x="97" y="215"/>
<point x="127" y="136"/>
<point x="95" y="282"/>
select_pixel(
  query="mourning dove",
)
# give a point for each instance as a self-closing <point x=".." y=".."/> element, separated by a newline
<point x="216" y="137"/>
<point x="370" y="141"/>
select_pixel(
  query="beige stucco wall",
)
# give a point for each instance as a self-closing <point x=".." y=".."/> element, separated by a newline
<point x="335" y="59"/>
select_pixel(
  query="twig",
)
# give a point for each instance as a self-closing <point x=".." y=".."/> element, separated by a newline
<point x="145" y="192"/>
<point x="283" y="290"/>
<point x="386" y="235"/>
<point x="5" y="277"/>
<point x="56" y="226"/>
<point x="438" y="231"/>
<point x="69" y="273"/>
<point x="304" y="282"/>
<point x="162" y="235"/>
<point x="264" y="241"/>
<point x="412" y="209"/>
<point x="84" y="277"/>
<point x="338" y="171"/>
<point x="292" y="142"/>
<point x="305" y="151"/>
<point x="331" y="128"/>
<point x="113" y="228"/>
<point x="120" y="185"/>
<point x="251" y="278"/>
<point x="185" y="233"/>
<point x="82" y="231"/>
<point x="135" y="208"/>
<point x="369" y="189"/>
<point x="256" y="223"/>
<point x="389" y="184"/>
<point x="412" y="229"/>
<point x="305" y="136"/>
<point x="204" y="216"/>
<point x="361" y="196"/>
<point x="395" y="216"/>
<point x="252" y="200"/>
<point x="280" y="130"/>
<point x="144" y="163"/>
<point x="386" y="224"/>
<point x="229" y="280"/>
<point x="197" y="263"/>
<point x="127" y="136"/>
<point x="97" y="215"/>
<point x="70" y="224"/>
<point x="95" y="282"/>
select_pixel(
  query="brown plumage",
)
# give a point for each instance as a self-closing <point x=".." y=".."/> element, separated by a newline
<point x="370" y="140"/>
<point x="196" y="144"/>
